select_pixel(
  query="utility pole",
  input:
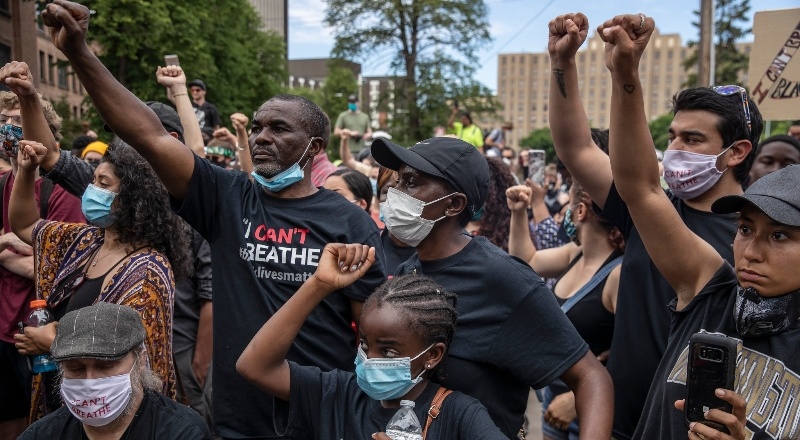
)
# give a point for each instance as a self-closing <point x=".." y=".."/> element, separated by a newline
<point x="706" y="47"/>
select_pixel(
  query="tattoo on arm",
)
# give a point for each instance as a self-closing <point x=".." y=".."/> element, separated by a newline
<point x="562" y="87"/>
<point x="628" y="88"/>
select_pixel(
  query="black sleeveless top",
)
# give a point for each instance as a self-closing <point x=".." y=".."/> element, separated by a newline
<point x="590" y="317"/>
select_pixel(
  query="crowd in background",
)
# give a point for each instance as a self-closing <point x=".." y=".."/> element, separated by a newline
<point x="280" y="294"/>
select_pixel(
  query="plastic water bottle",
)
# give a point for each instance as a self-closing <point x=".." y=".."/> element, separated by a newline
<point x="404" y="425"/>
<point x="39" y="317"/>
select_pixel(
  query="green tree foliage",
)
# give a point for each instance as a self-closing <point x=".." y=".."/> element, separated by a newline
<point x="218" y="41"/>
<point x="730" y="15"/>
<point x="659" y="130"/>
<point x="432" y="46"/>
<point x="540" y="139"/>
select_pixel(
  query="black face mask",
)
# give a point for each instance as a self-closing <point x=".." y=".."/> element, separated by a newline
<point x="218" y="162"/>
<point x="93" y="163"/>
<point x="759" y="316"/>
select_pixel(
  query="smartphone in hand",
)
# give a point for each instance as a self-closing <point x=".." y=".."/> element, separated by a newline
<point x="536" y="163"/>
<point x="711" y="365"/>
<point x="171" y="60"/>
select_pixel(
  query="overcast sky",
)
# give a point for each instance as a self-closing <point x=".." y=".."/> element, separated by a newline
<point x="516" y="26"/>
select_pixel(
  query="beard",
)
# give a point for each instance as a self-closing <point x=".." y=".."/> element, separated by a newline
<point x="268" y="170"/>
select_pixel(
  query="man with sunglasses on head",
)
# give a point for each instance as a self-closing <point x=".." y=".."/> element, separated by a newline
<point x="713" y="138"/>
<point x="16" y="265"/>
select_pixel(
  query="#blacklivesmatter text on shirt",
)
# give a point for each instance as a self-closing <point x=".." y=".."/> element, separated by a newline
<point x="270" y="248"/>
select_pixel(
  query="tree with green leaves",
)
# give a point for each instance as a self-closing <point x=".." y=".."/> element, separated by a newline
<point x="432" y="46"/>
<point x="659" y="130"/>
<point x="218" y="41"/>
<point x="730" y="62"/>
<point x="540" y="139"/>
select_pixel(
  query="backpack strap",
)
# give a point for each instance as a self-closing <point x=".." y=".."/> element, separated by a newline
<point x="436" y="408"/>
<point x="44" y="197"/>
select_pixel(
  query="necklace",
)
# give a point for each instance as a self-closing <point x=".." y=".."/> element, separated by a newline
<point x="96" y="260"/>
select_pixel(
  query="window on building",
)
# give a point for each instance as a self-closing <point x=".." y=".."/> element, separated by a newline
<point x="62" y="76"/>
<point x="51" y="63"/>
<point x="4" y="7"/>
<point x="669" y="54"/>
<point x="75" y="114"/>
<point x="5" y="53"/>
<point x="42" y="67"/>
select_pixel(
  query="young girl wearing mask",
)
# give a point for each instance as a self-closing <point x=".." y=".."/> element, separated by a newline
<point x="406" y="327"/>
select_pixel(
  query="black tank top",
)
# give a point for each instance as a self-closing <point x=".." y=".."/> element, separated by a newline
<point x="590" y="317"/>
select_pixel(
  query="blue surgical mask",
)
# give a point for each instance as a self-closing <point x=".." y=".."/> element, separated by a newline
<point x="386" y="378"/>
<point x="380" y="212"/>
<point x="374" y="183"/>
<point x="10" y="135"/>
<point x="351" y="106"/>
<point x="96" y="206"/>
<point x="569" y="227"/>
<point x="285" y="178"/>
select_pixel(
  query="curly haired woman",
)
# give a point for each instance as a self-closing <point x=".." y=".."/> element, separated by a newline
<point x="125" y="256"/>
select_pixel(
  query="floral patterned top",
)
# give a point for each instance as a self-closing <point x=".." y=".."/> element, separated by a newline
<point x="143" y="282"/>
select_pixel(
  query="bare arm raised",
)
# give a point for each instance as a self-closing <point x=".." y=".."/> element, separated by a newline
<point x="686" y="261"/>
<point x="568" y="123"/>
<point x="128" y="117"/>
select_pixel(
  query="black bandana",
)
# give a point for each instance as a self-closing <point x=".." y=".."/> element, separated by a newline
<point x="759" y="316"/>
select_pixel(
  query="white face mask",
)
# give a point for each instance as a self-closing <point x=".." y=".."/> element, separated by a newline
<point x="402" y="215"/>
<point x="689" y="175"/>
<point x="97" y="402"/>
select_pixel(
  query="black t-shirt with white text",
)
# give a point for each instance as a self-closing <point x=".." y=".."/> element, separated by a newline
<point x="510" y="334"/>
<point x="767" y="370"/>
<point x="642" y="317"/>
<point x="262" y="250"/>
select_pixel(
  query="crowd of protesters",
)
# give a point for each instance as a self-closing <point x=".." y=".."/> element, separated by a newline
<point x="207" y="283"/>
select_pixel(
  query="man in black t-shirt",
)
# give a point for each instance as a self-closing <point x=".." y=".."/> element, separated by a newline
<point x="207" y="114"/>
<point x="709" y="156"/>
<point x="266" y="237"/>
<point x="511" y="333"/>
<point x="107" y="387"/>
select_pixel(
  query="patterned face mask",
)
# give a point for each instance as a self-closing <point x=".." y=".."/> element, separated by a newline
<point x="10" y="135"/>
<point x="760" y="316"/>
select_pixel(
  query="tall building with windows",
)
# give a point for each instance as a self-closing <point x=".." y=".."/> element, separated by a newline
<point x="22" y="40"/>
<point x="274" y="16"/>
<point x="524" y="82"/>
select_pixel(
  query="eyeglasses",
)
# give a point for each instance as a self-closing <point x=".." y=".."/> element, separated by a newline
<point x="15" y="120"/>
<point x="730" y="90"/>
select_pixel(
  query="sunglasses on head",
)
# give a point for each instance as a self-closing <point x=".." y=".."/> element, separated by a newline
<point x="732" y="89"/>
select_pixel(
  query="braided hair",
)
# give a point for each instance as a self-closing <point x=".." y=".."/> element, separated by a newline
<point x="429" y="309"/>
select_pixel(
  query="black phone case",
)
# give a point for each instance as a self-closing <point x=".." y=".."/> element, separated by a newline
<point x="705" y="374"/>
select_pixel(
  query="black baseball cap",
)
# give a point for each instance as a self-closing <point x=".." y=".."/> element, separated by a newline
<point x="166" y="114"/>
<point x="198" y="83"/>
<point x="775" y="194"/>
<point x="451" y="159"/>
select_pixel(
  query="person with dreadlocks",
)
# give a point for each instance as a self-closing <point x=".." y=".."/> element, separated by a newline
<point x="406" y="327"/>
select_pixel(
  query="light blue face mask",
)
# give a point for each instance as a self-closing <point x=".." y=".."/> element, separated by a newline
<point x="285" y="178"/>
<point x="374" y="183"/>
<point x="96" y="206"/>
<point x="351" y="106"/>
<point x="386" y="378"/>
<point x="380" y="212"/>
